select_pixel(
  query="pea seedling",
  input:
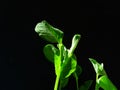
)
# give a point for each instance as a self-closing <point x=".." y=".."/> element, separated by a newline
<point x="65" y="61"/>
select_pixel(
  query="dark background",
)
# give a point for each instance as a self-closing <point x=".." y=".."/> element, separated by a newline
<point x="22" y="63"/>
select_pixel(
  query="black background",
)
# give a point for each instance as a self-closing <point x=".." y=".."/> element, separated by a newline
<point x="22" y="63"/>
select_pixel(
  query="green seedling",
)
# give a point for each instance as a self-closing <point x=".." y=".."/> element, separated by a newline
<point x="102" y="80"/>
<point x="65" y="60"/>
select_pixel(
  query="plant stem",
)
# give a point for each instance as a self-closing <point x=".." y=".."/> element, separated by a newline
<point x="60" y="46"/>
<point x="77" y="84"/>
<point x="96" y="86"/>
<point x="56" y="83"/>
<point x="76" y="79"/>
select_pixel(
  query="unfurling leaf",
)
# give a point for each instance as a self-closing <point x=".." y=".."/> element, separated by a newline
<point x="74" y="44"/>
<point x="48" y="32"/>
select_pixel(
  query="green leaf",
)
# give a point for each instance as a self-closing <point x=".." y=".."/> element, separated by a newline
<point x="49" y="52"/>
<point x="75" y="41"/>
<point x="86" y="85"/>
<point x="78" y="71"/>
<point x="48" y="32"/>
<point x="99" y="69"/>
<point x="105" y="83"/>
<point x="68" y="67"/>
<point x="102" y="79"/>
<point x="64" y="55"/>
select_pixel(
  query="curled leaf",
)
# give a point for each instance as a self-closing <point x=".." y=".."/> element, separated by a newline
<point x="49" y="51"/>
<point x="75" y="41"/>
<point x="48" y="32"/>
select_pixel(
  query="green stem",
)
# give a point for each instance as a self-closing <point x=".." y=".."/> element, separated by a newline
<point x="76" y="79"/>
<point x="77" y="84"/>
<point x="60" y="46"/>
<point x="56" y="83"/>
<point x="96" y="86"/>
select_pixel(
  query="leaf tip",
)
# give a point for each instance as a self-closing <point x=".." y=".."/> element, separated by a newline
<point x="90" y="59"/>
<point x="39" y="24"/>
<point x="77" y="36"/>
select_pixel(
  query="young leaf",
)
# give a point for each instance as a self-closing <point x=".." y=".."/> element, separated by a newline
<point x="73" y="67"/>
<point x="105" y="83"/>
<point x="99" y="69"/>
<point x="48" y="32"/>
<point x="68" y="67"/>
<point x="86" y="85"/>
<point x="75" y="41"/>
<point x="49" y="52"/>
